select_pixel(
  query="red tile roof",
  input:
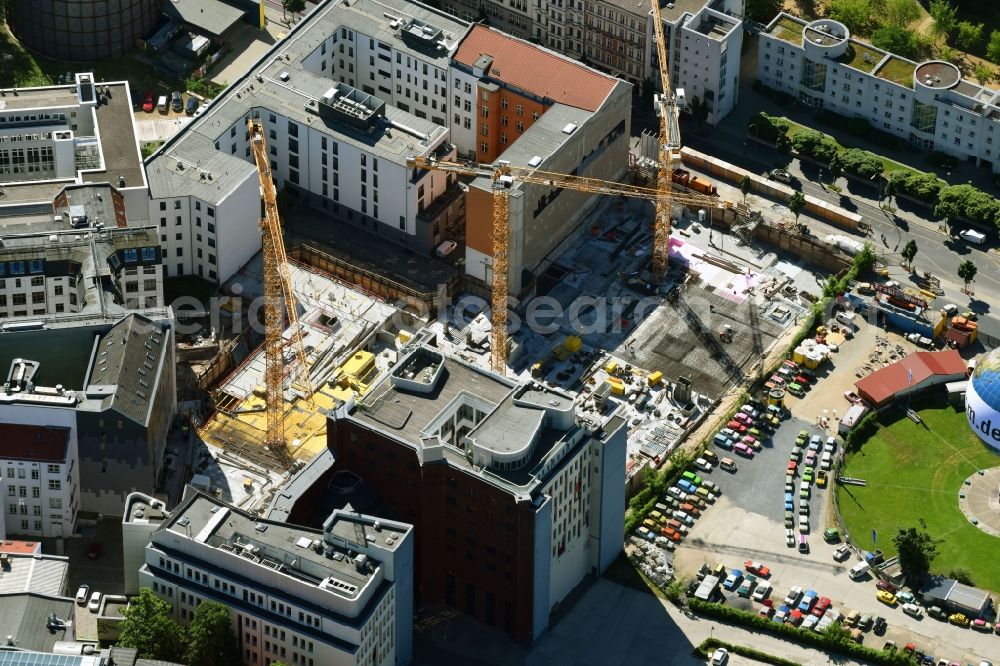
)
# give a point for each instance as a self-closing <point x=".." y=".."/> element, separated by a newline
<point x="535" y="70"/>
<point x="21" y="547"/>
<point x="881" y="385"/>
<point x="31" y="442"/>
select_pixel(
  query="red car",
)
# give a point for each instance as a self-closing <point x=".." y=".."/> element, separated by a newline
<point x="886" y="586"/>
<point x="147" y="101"/>
<point x="802" y="379"/>
<point x="737" y="426"/>
<point x="757" y="569"/>
<point x="852" y="397"/>
<point x="821" y="606"/>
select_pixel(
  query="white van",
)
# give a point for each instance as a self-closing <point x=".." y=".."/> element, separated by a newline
<point x="161" y="104"/>
<point x="973" y="236"/>
<point x="858" y="570"/>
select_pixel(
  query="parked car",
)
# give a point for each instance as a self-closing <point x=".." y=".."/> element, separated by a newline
<point x="762" y="592"/>
<point x="703" y="465"/>
<point x="176" y="102"/>
<point x="780" y="175"/>
<point x="686" y="486"/>
<point x="958" y="619"/>
<point x="733" y="580"/>
<point x="831" y="535"/>
<point x="95" y="602"/>
<point x="803" y="524"/>
<point x="147" y="101"/>
<point x="887" y="598"/>
<point x="865" y="622"/>
<point x="743" y="450"/>
<point x="937" y="613"/>
<point x="757" y="568"/>
<point x="815" y="442"/>
<point x="980" y="624"/>
<point x="446" y="248"/>
<point x="192" y="105"/>
<point x="674" y="491"/>
<point x="82" y="593"/>
<point x="720" y="656"/>
<point x="905" y="597"/>
<point x="886" y="586"/>
<point x="736" y="426"/>
<point x="822" y="604"/>
<point x="746" y="589"/>
<point x="842" y="553"/>
<point x="683" y="517"/>
<point x="710" y="456"/>
<point x="852" y="397"/>
<point x="913" y="610"/>
<point x="792" y="598"/>
<point x="728" y="464"/>
<point x="808" y="599"/>
<point x="789" y="537"/>
<point x="803" y="544"/>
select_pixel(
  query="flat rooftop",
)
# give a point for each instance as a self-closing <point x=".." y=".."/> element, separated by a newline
<point x="679" y="8"/>
<point x="16" y="99"/>
<point x="279" y="82"/>
<point x="299" y="552"/>
<point x="116" y="125"/>
<point x="143" y="509"/>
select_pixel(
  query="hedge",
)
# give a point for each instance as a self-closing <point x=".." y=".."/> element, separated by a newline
<point x="814" y="144"/>
<point x="867" y="427"/>
<point x="923" y="186"/>
<point x="806" y="636"/>
<point x="709" y="645"/>
<point x="968" y="202"/>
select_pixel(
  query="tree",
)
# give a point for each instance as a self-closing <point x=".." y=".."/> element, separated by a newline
<point x="796" y="204"/>
<point x="762" y="11"/>
<point x="896" y="40"/>
<point x="993" y="48"/>
<point x="909" y="252"/>
<point x="814" y="144"/>
<point x="855" y="14"/>
<point x="967" y="272"/>
<point x="860" y="162"/>
<point x="293" y="6"/>
<point x="745" y="184"/>
<point x="948" y="54"/>
<point x="699" y="110"/>
<point x="983" y="72"/>
<point x="900" y="13"/>
<point x="916" y="550"/>
<point x="211" y="641"/>
<point x="148" y="627"/>
<point x="968" y="202"/>
<point x="838" y="633"/>
<point x="890" y="190"/>
<point x="969" y="35"/>
<point x="944" y="17"/>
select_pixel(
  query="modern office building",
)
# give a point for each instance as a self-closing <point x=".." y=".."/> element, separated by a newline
<point x="928" y="104"/>
<point x="534" y="108"/>
<point x="108" y="382"/>
<point x="338" y="596"/>
<point x="75" y="134"/>
<point x="352" y="92"/>
<point x="514" y="497"/>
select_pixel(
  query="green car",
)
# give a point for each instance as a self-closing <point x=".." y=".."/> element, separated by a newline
<point x="832" y="535"/>
<point x="807" y="475"/>
<point x="692" y="477"/>
<point x="789" y="519"/>
<point x="746" y="589"/>
<point x="796" y="454"/>
<point x="803" y="436"/>
<point x="796" y="389"/>
<point x="804" y="493"/>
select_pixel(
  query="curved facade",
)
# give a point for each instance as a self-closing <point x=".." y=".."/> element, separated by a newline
<point x="81" y="30"/>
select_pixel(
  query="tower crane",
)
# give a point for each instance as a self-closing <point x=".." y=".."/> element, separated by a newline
<point x="669" y="151"/>
<point x="502" y="175"/>
<point x="277" y="284"/>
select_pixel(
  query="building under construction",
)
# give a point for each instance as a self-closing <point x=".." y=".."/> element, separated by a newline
<point x="349" y="337"/>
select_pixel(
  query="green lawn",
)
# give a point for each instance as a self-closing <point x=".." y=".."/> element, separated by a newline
<point x="898" y="70"/>
<point x="913" y="474"/>
<point x="861" y="56"/>
<point x="788" y="30"/>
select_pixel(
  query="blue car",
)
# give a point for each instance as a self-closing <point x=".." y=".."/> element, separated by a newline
<point x="789" y="502"/>
<point x="733" y="579"/>
<point x="723" y="442"/>
<point x="808" y="599"/>
<point x="687" y="486"/>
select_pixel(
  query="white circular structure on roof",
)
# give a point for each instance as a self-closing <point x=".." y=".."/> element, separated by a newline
<point x="982" y="400"/>
<point x="825" y="38"/>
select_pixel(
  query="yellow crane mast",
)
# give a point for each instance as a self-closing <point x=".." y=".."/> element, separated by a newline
<point x="277" y="284"/>
<point x="502" y="176"/>
<point x="669" y="152"/>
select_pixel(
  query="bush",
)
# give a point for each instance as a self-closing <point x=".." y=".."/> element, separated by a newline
<point x="968" y="202"/>
<point x="827" y="642"/>
<point x="862" y="432"/>
<point x="814" y="144"/>
<point x="767" y="128"/>
<point x="203" y="87"/>
<point x="860" y="162"/>
<point x="897" y="40"/>
<point x="709" y="645"/>
<point x="923" y="186"/>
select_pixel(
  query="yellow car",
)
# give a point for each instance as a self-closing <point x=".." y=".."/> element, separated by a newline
<point x="959" y="620"/>
<point x="887" y="598"/>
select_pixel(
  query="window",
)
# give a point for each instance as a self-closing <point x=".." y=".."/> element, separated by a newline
<point x="53" y="469"/>
<point x="131" y="255"/>
<point x="149" y="254"/>
<point x="55" y="484"/>
<point x="35" y="266"/>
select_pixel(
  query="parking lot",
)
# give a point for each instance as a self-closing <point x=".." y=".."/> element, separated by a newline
<point x="747" y="522"/>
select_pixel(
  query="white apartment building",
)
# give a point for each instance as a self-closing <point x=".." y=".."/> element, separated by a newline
<point x="41" y="476"/>
<point x="354" y="91"/>
<point x="928" y="104"/>
<point x="338" y="596"/>
<point x="79" y="133"/>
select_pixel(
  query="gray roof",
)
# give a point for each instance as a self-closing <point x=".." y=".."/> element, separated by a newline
<point x="952" y="592"/>
<point x="24" y="616"/>
<point x="42" y="574"/>
<point x="130" y="360"/>
<point x="284" y="500"/>
<point x="37" y="98"/>
<point x="118" y="141"/>
<point x="262" y="89"/>
<point x="212" y="16"/>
